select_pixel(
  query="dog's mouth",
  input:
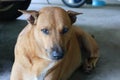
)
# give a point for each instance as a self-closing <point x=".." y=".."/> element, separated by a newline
<point x="57" y="58"/>
<point x="57" y="54"/>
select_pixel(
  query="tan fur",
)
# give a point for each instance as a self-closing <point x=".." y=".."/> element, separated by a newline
<point x="31" y="60"/>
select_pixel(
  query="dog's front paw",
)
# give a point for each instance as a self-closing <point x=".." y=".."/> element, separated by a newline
<point x="90" y="64"/>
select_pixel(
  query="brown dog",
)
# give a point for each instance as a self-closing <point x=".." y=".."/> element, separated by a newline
<point x="51" y="48"/>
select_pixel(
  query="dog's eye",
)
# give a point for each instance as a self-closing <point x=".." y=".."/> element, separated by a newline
<point x="64" y="30"/>
<point x="45" y="31"/>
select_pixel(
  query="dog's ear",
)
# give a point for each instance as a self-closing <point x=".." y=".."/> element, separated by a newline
<point x="73" y="15"/>
<point x="33" y="15"/>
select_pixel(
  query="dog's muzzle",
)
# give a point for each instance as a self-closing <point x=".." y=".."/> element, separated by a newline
<point x="57" y="53"/>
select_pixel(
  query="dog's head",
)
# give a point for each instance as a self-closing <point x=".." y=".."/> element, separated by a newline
<point x="52" y="30"/>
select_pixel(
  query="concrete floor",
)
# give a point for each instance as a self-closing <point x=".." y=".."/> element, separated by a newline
<point x="103" y="22"/>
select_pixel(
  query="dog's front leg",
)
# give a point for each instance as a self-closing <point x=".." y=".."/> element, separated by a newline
<point x="19" y="73"/>
<point x="90" y="49"/>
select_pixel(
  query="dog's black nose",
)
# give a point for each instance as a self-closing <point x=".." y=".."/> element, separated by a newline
<point x="56" y="55"/>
